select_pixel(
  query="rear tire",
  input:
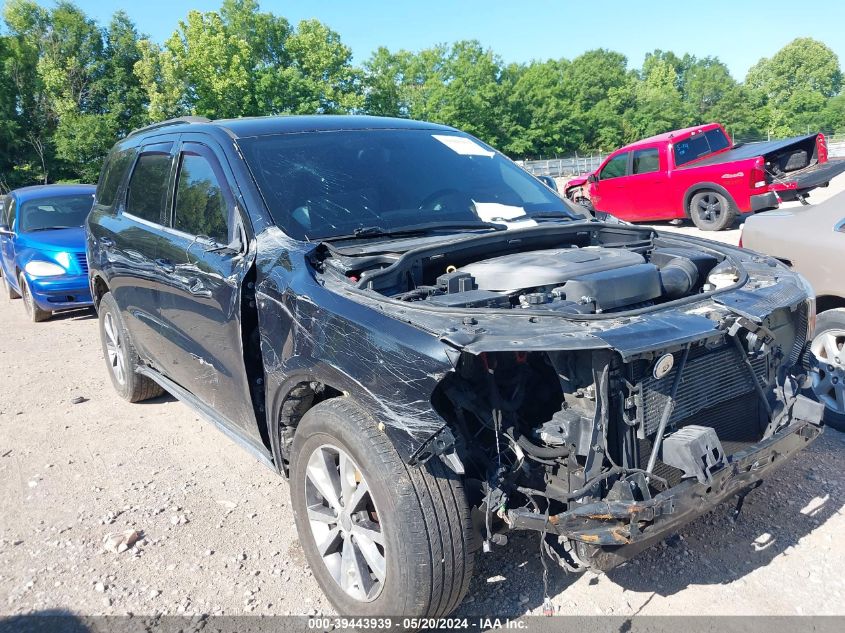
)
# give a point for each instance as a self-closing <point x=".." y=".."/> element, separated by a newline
<point x="827" y="352"/>
<point x="420" y="515"/>
<point x="711" y="211"/>
<point x="35" y="314"/>
<point x="121" y="357"/>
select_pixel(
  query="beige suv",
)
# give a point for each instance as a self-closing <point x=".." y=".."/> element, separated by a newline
<point x="811" y="239"/>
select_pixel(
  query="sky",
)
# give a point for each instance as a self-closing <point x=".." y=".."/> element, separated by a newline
<point x="738" y="32"/>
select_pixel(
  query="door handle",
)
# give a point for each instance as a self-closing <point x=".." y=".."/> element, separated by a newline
<point x="165" y="265"/>
<point x="106" y="242"/>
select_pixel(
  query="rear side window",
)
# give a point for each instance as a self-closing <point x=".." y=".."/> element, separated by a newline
<point x="616" y="166"/>
<point x="116" y="165"/>
<point x="699" y="145"/>
<point x="646" y="161"/>
<point x="148" y="186"/>
<point x="201" y="207"/>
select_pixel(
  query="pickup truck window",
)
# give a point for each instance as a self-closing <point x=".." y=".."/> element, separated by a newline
<point x="616" y="166"/>
<point x="200" y="203"/>
<point x="699" y="145"/>
<point x="148" y="186"/>
<point x="646" y="160"/>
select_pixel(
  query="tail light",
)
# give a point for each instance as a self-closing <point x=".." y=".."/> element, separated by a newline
<point x="740" y="238"/>
<point x="758" y="175"/>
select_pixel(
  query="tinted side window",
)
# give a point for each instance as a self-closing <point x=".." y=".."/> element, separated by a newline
<point x="148" y="187"/>
<point x="13" y="211"/>
<point x="113" y="171"/>
<point x="646" y="160"/>
<point x="616" y="166"/>
<point x="201" y="207"/>
<point x="717" y="139"/>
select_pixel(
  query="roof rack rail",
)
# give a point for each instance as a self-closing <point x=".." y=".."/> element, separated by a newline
<point x="177" y="120"/>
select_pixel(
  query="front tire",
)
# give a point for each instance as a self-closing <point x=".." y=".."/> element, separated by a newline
<point x="9" y="292"/>
<point x="35" y="314"/>
<point x="712" y="211"/>
<point x="121" y="357"/>
<point x="827" y="350"/>
<point x="382" y="538"/>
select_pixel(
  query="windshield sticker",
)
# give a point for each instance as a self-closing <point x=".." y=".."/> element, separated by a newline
<point x="463" y="145"/>
<point x="503" y="214"/>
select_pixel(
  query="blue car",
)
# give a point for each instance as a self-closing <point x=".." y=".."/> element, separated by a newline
<point x="42" y="248"/>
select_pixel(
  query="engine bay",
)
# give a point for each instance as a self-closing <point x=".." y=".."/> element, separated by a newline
<point x="585" y="273"/>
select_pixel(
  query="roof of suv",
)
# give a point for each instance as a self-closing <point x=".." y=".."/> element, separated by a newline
<point x="259" y="126"/>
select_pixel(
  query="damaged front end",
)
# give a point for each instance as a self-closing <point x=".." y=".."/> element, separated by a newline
<point x="609" y="389"/>
<point x="607" y="455"/>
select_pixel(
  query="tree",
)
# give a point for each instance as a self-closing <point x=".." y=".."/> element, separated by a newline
<point x="795" y="84"/>
<point x="658" y="106"/>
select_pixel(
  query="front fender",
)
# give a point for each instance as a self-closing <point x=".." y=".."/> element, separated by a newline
<point x="310" y="334"/>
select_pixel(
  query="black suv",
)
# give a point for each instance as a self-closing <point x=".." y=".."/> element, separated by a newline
<point x="437" y="349"/>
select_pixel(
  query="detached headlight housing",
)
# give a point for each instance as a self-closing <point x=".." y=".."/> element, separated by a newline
<point x="40" y="268"/>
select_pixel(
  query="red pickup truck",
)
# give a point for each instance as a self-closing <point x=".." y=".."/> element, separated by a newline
<point x="698" y="173"/>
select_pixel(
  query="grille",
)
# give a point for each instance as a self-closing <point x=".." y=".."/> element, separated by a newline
<point x="708" y="379"/>
<point x="738" y="423"/>
<point x="83" y="262"/>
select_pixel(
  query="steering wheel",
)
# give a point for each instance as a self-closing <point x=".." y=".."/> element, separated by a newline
<point x="435" y="200"/>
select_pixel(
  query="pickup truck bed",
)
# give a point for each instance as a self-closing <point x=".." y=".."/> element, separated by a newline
<point x="743" y="151"/>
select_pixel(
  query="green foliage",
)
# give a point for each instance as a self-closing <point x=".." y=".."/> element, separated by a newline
<point x="70" y="88"/>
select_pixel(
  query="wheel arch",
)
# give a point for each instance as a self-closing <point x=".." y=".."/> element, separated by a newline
<point x="829" y="302"/>
<point x="99" y="287"/>
<point x="705" y="186"/>
<point x="301" y="391"/>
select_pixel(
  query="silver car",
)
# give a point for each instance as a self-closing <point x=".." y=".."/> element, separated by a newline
<point x="811" y="239"/>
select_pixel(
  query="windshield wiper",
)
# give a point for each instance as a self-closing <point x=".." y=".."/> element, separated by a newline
<point x="414" y="229"/>
<point x="50" y="228"/>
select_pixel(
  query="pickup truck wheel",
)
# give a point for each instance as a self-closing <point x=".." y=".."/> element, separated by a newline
<point x="828" y="366"/>
<point x="121" y="357"/>
<point x="711" y="211"/>
<point x="382" y="538"/>
<point x="8" y="291"/>
<point x="35" y="314"/>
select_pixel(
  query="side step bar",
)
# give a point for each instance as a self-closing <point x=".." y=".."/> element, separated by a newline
<point x="226" y="427"/>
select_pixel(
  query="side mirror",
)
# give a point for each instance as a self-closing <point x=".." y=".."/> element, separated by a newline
<point x="5" y="230"/>
<point x="592" y="178"/>
<point x="550" y="182"/>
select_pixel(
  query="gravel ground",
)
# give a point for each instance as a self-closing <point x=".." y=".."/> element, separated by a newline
<point x="216" y="530"/>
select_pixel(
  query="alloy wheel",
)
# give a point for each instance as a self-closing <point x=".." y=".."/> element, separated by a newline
<point x="344" y="523"/>
<point x="709" y="208"/>
<point x="828" y="350"/>
<point x="114" y="347"/>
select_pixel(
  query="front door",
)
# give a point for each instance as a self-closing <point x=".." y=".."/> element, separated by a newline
<point x="608" y="193"/>
<point x="201" y="290"/>
<point x="645" y="184"/>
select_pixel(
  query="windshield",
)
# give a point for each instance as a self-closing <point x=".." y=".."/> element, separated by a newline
<point x="699" y="145"/>
<point x="55" y="212"/>
<point x="325" y="184"/>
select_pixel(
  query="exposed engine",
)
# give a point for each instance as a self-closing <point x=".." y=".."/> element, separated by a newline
<point x="588" y="280"/>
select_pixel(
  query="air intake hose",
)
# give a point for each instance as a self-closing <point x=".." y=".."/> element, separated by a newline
<point x="678" y="277"/>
